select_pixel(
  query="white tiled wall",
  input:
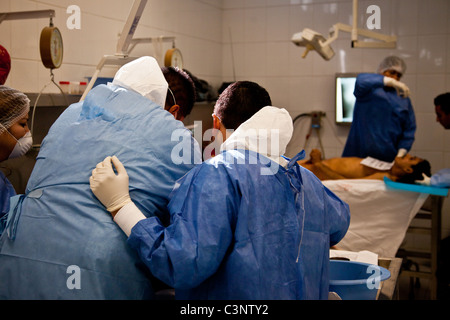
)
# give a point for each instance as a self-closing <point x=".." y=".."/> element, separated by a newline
<point x="196" y="24"/>
<point x="258" y="33"/>
<point x="261" y="32"/>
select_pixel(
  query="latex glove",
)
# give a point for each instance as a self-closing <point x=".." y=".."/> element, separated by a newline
<point x="110" y="188"/>
<point x="402" y="89"/>
<point x="401" y="153"/>
<point x="426" y="180"/>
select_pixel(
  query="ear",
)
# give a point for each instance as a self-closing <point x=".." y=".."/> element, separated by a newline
<point x="216" y="122"/>
<point x="408" y="170"/>
<point x="175" y="110"/>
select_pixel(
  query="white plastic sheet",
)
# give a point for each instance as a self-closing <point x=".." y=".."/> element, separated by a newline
<point x="379" y="216"/>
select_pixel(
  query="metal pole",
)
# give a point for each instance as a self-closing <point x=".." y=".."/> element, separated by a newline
<point x="21" y="15"/>
<point x="130" y="26"/>
<point x="355" y="21"/>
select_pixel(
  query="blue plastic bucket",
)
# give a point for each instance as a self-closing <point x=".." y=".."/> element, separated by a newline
<point x="356" y="280"/>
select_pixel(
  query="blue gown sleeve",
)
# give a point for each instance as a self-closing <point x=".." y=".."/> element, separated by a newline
<point x="335" y="212"/>
<point x="6" y="192"/>
<point x="441" y="179"/>
<point x="191" y="249"/>
<point x="338" y="213"/>
<point x="366" y="82"/>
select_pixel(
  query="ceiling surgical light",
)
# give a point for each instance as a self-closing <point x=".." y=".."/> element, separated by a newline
<point x="313" y="40"/>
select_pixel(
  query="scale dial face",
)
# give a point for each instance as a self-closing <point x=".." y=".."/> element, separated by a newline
<point x="173" y="58"/>
<point x="51" y="47"/>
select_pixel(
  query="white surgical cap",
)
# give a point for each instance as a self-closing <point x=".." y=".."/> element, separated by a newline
<point x="267" y="132"/>
<point x="14" y="105"/>
<point x="144" y="76"/>
<point x="392" y="63"/>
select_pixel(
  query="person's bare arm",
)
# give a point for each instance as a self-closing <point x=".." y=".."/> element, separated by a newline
<point x="323" y="172"/>
<point x="380" y="176"/>
<point x="320" y="170"/>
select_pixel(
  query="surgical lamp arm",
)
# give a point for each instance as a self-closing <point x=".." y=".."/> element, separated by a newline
<point x="130" y="26"/>
<point x="137" y="41"/>
<point x="387" y="41"/>
<point x="121" y="57"/>
<point x="315" y="41"/>
<point x="308" y="48"/>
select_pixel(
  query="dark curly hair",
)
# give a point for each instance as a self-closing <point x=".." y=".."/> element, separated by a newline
<point x="443" y="100"/>
<point x="239" y="102"/>
<point x="422" y="167"/>
<point x="183" y="89"/>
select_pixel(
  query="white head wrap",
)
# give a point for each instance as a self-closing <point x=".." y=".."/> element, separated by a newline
<point x="144" y="76"/>
<point x="267" y="132"/>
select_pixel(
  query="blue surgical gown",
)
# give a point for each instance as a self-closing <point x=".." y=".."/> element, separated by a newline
<point x="238" y="234"/>
<point x="59" y="236"/>
<point x="441" y="179"/>
<point x="6" y="192"/>
<point x="383" y="121"/>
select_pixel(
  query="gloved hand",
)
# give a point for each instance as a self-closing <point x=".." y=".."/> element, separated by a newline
<point x="426" y="180"/>
<point x="401" y="153"/>
<point x="110" y="188"/>
<point x="402" y="89"/>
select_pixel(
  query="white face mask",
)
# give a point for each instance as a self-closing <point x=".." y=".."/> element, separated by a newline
<point x="22" y="146"/>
